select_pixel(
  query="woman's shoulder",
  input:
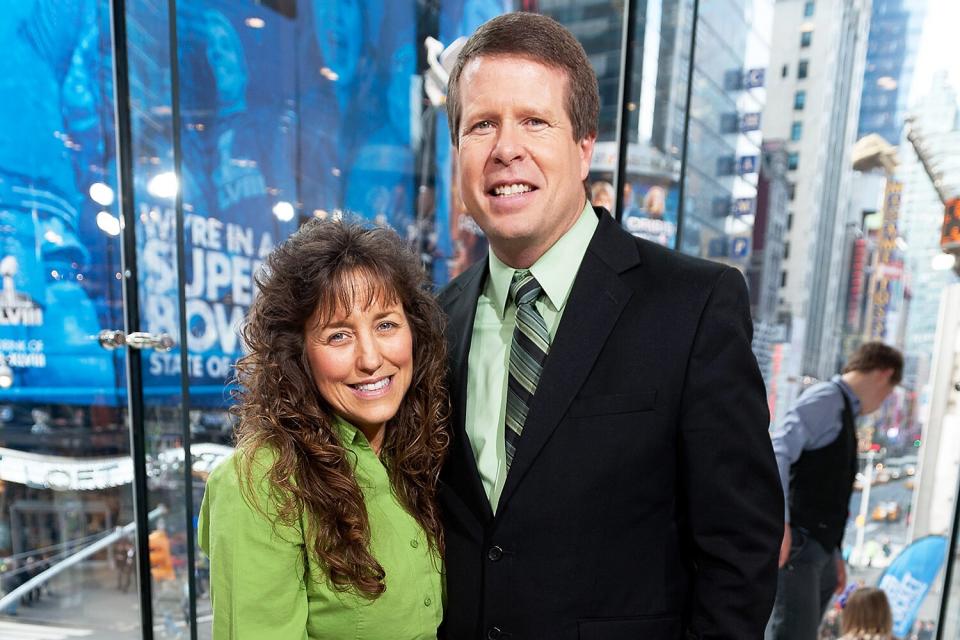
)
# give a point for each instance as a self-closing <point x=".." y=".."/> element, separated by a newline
<point x="245" y="466"/>
<point x="243" y="481"/>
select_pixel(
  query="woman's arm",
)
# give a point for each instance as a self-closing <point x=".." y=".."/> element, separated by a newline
<point x="257" y="571"/>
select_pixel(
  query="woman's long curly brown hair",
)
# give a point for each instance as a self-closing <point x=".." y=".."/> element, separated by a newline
<point x="322" y="268"/>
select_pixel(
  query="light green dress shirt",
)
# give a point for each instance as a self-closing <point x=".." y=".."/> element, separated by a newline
<point x="489" y="359"/>
<point x="264" y="587"/>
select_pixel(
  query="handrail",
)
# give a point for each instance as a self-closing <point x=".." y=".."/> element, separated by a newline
<point x="34" y="582"/>
<point x="59" y="547"/>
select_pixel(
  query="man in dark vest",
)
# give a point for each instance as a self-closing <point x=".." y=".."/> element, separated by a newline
<point x="816" y="449"/>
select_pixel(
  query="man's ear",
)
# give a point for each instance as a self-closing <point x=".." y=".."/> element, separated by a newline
<point x="586" y="154"/>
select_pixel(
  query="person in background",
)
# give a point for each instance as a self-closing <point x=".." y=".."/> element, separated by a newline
<point x="601" y="195"/>
<point x="867" y="616"/>
<point x="323" y="523"/>
<point x="816" y="450"/>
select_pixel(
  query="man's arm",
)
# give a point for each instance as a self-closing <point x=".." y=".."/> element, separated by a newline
<point x="810" y="423"/>
<point x="734" y="501"/>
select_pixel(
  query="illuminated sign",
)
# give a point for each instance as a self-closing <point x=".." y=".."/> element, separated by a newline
<point x="750" y="122"/>
<point x="855" y="297"/>
<point x="743" y="206"/>
<point x="61" y="473"/>
<point x="754" y="78"/>
<point x="747" y="164"/>
<point x="740" y="247"/>
<point x="886" y="264"/>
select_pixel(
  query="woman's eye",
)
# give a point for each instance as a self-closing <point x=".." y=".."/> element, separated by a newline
<point x="339" y="336"/>
<point x="386" y="325"/>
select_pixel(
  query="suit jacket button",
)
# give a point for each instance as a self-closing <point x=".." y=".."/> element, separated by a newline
<point x="494" y="633"/>
<point x="494" y="554"/>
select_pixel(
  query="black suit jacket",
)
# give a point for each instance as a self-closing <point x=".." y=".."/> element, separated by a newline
<point x="643" y="501"/>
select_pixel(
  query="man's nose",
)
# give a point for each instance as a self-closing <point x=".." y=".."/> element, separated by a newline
<point x="509" y="145"/>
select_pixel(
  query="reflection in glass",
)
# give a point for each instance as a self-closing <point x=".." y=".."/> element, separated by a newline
<point x="66" y="470"/>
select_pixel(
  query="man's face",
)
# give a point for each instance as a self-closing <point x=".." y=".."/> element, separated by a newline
<point x="879" y="388"/>
<point x="520" y="170"/>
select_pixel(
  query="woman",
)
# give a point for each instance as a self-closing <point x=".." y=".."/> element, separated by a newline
<point x="867" y="616"/>
<point x="323" y="524"/>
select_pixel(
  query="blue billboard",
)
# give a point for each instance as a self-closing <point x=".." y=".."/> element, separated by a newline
<point x="288" y="110"/>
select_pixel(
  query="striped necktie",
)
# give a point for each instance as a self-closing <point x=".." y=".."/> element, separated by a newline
<point x="531" y="343"/>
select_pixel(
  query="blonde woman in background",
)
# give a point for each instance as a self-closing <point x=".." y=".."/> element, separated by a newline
<point x="867" y="616"/>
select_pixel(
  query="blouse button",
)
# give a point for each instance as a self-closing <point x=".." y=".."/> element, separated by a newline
<point x="414" y="544"/>
<point x="427" y="601"/>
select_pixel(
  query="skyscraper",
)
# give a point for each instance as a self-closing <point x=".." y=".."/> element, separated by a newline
<point x="936" y="123"/>
<point x="895" y="29"/>
<point x="813" y="102"/>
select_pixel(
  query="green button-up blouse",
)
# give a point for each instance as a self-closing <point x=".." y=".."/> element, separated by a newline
<point x="263" y="586"/>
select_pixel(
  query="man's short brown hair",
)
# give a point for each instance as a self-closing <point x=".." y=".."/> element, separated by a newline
<point x="541" y="39"/>
<point x="871" y="356"/>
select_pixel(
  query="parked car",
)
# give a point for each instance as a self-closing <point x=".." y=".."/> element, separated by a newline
<point x="886" y="512"/>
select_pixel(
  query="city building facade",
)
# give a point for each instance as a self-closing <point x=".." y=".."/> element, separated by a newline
<point x="813" y="101"/>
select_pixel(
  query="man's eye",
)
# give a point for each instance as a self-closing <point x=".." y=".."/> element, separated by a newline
<point x="483" y="124"/>
<point x="537" y="122"/>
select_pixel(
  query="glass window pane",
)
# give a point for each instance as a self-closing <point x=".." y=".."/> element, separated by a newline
<point x="799" y="100"/>
<point x="724" y="167"/>
<point x="156" y="184"/>
<point x="66" y="500"/>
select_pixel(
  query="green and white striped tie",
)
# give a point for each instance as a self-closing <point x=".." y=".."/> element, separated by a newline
<point x="531" y="343"/>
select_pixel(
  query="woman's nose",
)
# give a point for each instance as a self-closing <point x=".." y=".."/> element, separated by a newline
<point x="369" y="357"/>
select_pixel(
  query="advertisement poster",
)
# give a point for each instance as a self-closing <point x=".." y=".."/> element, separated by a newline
<point x="56" y="265"/>
<point x="288" y="110"/>
<point x="909" y="577"/>
<point x="650" y="212"/>
<point x="460" y="241"/>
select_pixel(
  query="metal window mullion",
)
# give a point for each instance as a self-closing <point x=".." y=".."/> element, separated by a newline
<point x="182" y="314"/>
<point x="681" y="192"/>
<point x="623" y="98"/>
<point x="131" y="306"/>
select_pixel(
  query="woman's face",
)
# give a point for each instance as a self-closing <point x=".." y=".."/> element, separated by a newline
<point x="362" y="360"/>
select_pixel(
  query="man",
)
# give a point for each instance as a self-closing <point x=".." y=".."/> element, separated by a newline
<point x="816" y="450"/>
<point x="610" y="474"/>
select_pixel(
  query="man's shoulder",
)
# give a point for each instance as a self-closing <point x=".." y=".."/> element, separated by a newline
<point x="675" y="259"/>
<point x="452" y="289"/>
<point x="676" y="270"/>
<point x="820" y="393"/>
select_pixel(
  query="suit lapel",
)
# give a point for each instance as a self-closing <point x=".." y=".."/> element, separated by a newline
<point x="596" y="301"/>
<point x="460" y="471"/>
